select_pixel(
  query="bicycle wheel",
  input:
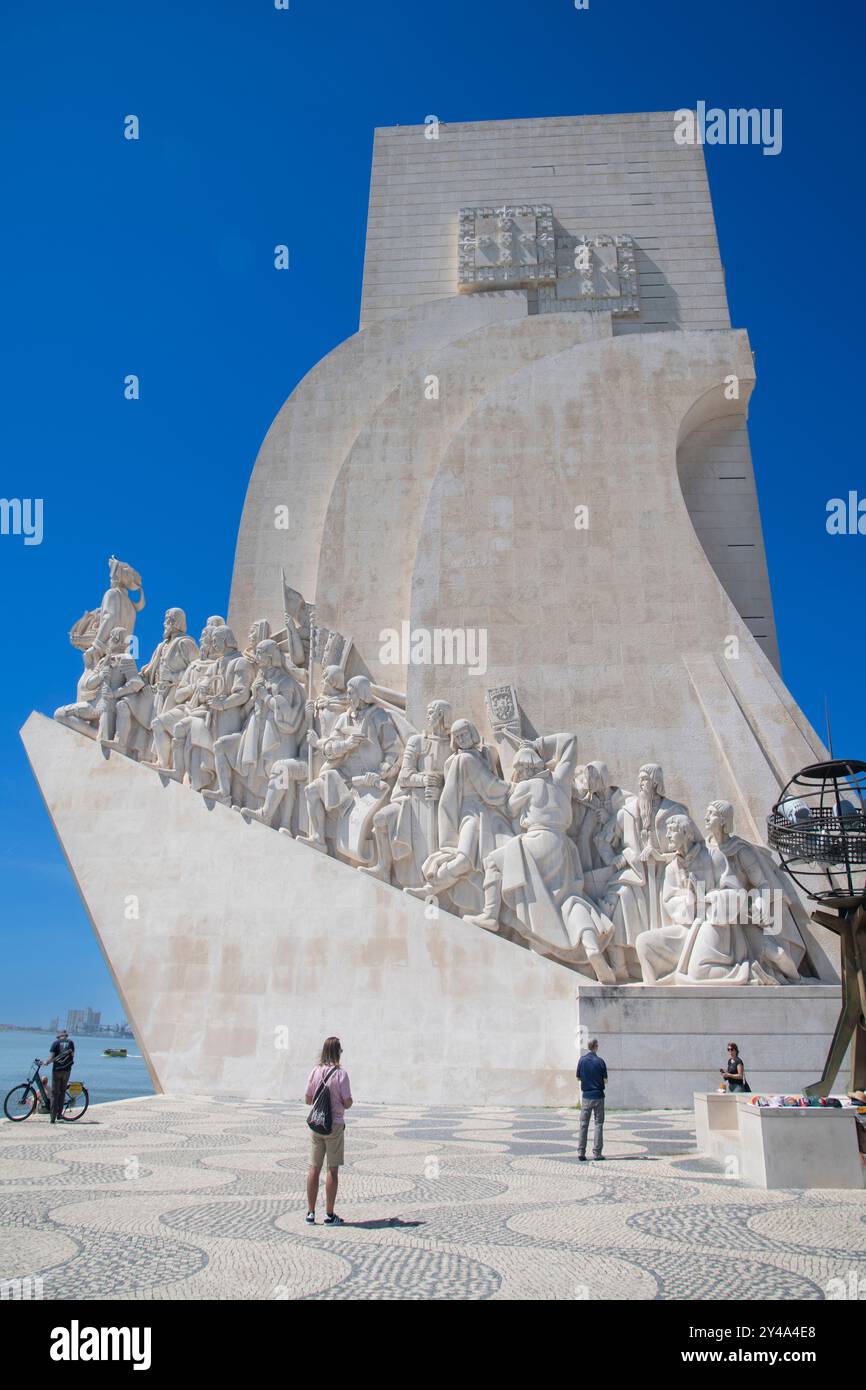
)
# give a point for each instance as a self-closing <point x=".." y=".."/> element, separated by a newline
<point x="20" y="1102"/>
<point x="74" y="1104"/>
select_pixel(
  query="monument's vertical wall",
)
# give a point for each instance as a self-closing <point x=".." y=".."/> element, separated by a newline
<point x="617" y="174"/>
<point x="620" y="174"/>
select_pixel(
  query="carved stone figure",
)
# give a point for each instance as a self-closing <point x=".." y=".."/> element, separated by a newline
<point x="595" y="802"/>
<point x="324" y="711"/>
<point x="615" y="885"/>
<point x="272" y="729"/>
<point x="259" y="632"/>
<point x="161" y="676"/>
<point x="223" y="694"/>
<point x="83" y="715"/>
<point x="688" y="877"/>
<point x="288" y="773"/>
<point x="171" y="726"/>
<point x="473" y="821"/>
<point x="406" y="831"/>
<point x="632" y="896"/>
<point x="534" y="879"/>
<point x="116" y="610"/>
<point x="361" y="758"/>
<point x="119" y="680"/>
<point x="749" y="934"/>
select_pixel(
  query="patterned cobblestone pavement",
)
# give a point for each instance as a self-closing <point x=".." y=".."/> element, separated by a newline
<point x="169" y="1199"/>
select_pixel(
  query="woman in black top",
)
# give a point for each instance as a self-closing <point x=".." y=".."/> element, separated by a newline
<point x="735" y="1072"/>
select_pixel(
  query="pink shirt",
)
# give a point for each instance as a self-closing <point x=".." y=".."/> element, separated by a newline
<point x="338" y="1085"/>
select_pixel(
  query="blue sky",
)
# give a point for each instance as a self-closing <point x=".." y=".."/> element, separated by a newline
<point x="156" y="257"/>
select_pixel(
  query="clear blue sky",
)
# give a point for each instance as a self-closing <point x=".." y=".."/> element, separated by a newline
<point x="156" y="258"/>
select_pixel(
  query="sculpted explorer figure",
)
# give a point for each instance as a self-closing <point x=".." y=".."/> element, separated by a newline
<point x="171" y="727"/>
<point x="272" y="730"/>
<point x="116" y="610"/>
<point x="534" y="880"/>
<point x="473" y="821"/>
<point x="119" y="680"/>
<point x="751" y="868"/>
<point x="632" y="897"/>
<point x="406" y="830"/>
<point x="289" y="773"/>
<point x="361" y="756"/>
<point x="83" y="715"/>
<point x="688" y="877"/>
<point x="161" y="675"/>
<point x="222" y="702"/>
<point x="738" y="941"/>
<point x="595" y="802"/>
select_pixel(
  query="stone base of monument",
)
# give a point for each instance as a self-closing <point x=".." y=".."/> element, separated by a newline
<point x="780" y="1147"/>
<point x="663" y="1044"/>
<point x="236" y="951"/>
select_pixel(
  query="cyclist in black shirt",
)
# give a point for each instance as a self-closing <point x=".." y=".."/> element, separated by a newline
<point x="62" y="1056"/>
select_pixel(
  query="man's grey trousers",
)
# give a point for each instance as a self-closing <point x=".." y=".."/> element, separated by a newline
<point x="591" y="1107"/>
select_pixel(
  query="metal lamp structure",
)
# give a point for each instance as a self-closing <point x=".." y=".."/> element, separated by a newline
<point x="818" y="829"/>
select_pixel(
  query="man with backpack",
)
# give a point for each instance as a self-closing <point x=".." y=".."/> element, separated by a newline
<point x="330" y="1095"/>
<point x="62" y="1055"/>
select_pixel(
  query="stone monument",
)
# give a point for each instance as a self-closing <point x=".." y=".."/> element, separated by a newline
<point x="527" y="637"/>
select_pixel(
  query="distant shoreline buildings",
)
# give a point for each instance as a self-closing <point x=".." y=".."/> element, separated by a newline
<point x="83" y="1022"/>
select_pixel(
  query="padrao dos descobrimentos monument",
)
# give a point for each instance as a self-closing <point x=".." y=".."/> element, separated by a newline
<point x="542" y="814"/>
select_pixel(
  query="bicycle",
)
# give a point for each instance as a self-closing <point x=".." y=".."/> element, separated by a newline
<point x="21" y="1100"/>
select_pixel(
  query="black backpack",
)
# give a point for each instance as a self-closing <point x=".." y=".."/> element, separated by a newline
<point x="319" y="1118"/>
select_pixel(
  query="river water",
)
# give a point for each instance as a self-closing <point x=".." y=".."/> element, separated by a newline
<point x="106" y="1078"/>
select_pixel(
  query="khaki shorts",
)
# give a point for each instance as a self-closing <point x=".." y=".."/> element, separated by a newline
<point x="327" y="1149"/>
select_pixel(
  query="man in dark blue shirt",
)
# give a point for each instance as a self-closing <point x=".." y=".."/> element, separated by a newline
<point x="592" y="1074"/>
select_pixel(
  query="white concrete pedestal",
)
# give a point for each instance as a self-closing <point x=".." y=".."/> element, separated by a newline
<point x="784" y="1147"/>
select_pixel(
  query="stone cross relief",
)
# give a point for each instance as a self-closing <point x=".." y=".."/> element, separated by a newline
<point x="621" y="886"/>
<point x="521" y="246"/>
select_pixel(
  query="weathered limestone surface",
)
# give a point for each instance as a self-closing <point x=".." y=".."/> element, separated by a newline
<point x="304" y="449"/>
<point x="241" y="932"/>
<point x="663" y="1045"/>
